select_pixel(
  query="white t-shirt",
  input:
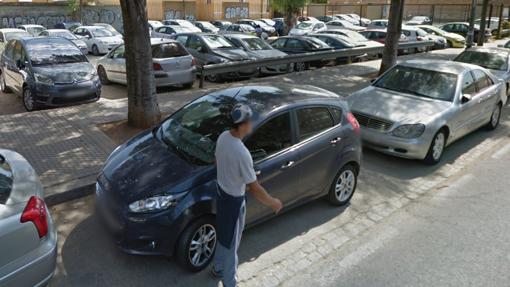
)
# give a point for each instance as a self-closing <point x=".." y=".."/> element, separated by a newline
<point x="234" y="164"/>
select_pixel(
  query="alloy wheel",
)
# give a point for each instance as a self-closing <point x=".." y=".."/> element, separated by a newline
<point x="28" y="100"/>
<point x="202" y="245"/>
<point x="344" y="186"/>
<point x="495" y="116"/>
<point x="300" y="66"/>
<point x="437" y="148"/>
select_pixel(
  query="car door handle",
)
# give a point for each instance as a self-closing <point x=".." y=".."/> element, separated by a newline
<point x="288" y="164"/>
<point x="335" y="140"/>
<point x="258" y="172"/>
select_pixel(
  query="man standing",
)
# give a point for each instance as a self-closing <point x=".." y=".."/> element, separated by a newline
<point x="235" y="171"/>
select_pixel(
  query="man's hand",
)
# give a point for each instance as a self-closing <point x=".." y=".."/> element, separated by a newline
<point x="261" y="195"/>
<point x="276" y="205"/>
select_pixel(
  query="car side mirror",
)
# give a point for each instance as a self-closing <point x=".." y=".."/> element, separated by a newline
<point x="19" y="64"/>
<point x="466" y="98"/>
<point x="201" y="49"/>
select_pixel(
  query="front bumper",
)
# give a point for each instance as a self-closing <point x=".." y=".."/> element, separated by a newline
<point x="386" y="143"/>
<point x="272" y="70"/>
<point x="58" y="95"/>
<point x="179" y="77"/>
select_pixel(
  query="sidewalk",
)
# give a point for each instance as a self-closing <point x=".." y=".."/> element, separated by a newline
<point x="67" y="149"/>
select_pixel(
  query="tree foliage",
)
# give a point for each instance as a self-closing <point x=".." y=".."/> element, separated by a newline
<point x="289" y="8"/>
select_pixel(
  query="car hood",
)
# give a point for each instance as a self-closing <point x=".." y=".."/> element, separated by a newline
<point x="79" y="43"/>
<point x="295" y="31"/>
<point x="144" y="167"/>
<point x="394" y="106"/>
<point x="67" y="73"/>
<point x="232" y="54"/>
<point x="262" y="54"/>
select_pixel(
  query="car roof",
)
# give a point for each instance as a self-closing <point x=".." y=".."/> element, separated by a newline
<point x="90" y="27"/>
<point x="157" y="41"/>
<point x="30" y="25"/>
<point x="239" y="35"/>
<point x="58" y="30"/>
<point x="265" y="98"/>
<point x="439" y="65"/>
<point x="495" y="50"/>
<point x="7" y="30"/>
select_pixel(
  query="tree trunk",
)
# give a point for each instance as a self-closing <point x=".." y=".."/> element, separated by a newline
<point x="143" y="108"/>
<point x="394" y="31"/>
<point x="483" y="18"/>
<point x="289" y="20"/>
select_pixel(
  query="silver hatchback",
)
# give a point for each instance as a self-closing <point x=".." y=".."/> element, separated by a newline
<point x="418" y="107"/>
<point x="172" y="63"/>
<point x="28" y="239"/>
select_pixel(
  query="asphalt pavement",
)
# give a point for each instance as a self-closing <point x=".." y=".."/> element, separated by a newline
<point x="457" y="235"/>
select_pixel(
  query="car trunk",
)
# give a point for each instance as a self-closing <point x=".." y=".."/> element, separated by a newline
<point x="171" y="56"/>
<point x="175" y="63"/>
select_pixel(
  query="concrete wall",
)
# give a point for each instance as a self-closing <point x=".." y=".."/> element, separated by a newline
<point x="14" y="14"/>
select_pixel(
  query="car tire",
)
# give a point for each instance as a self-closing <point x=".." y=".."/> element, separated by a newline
<point x="215" y="78"/>
<point x="28" y="100"/>
<point x="103" y="77"/>
<point x="95" y="50"/>
<point x="300" y="66"/>
<point x="343" y="187"/>
<point x="188" y="85"/>
<point x="202" y="235"/>
<point x="495" y="117"/>
<point x="436" y="149"/>
<point x="3" y="86"/>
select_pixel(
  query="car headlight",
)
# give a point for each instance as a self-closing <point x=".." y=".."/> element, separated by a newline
<point x="156" y="203"/>
<point x="92" y="75"/>
<point x="41" y="79"/>
<point x="409" y="131"/>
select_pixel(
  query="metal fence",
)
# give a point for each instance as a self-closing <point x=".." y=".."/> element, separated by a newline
<point x="232" y="67"/>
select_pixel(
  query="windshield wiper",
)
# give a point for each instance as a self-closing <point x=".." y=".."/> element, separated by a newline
<point x="413" y="93"/>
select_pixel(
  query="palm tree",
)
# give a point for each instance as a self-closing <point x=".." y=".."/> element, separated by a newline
<point x="143" y="108"/>
<point x="289" y="8"/>
<point x="394" y="31"/>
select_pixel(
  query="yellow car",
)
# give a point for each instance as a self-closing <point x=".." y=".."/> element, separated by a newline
<point x="453" y="40"/>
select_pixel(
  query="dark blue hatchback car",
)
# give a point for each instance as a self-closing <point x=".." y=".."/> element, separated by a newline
<point x="156" y="192"/>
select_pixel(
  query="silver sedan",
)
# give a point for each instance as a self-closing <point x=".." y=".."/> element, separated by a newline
<point x="28" y="239"/>
<point x="172" y="63"/>
<point x="418" y="107"/>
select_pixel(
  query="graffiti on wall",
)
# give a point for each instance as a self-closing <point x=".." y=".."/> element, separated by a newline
<point x="48" y="16"/>
<point x="177" y="14"/>
<point x="236" y="12"/>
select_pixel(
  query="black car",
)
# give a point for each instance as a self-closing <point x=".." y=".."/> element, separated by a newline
<point x="156" y="192"/>
<point x="68" y="25"/>
<point x="300" y="45"/>
<point x="208" y="48"/>
<point x="462" y="28"/>
<point x="220" y="24"/>
<point x="341" y="43"/>
<point x="48" y="72"/>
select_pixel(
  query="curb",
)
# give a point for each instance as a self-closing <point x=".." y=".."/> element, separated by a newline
<point x="70" y="194"/>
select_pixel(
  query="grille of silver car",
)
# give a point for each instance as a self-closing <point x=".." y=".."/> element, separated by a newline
<point x="372" y="122"/>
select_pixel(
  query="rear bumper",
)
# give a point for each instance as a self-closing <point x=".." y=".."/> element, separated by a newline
<point x="164" y="78"/>
<point x="37" y="271"/>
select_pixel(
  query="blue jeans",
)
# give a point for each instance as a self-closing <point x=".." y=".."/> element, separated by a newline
<point x="225" y="258"/>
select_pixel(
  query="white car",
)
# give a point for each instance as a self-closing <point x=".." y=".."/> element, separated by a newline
<point x="347" y="18"/>
<point x="99" y="40"/>
<point x="153" y="24"/>
<point x="173" y="65"/>
<point x="184" y="23"/>
<point x="33" y="29"/>
<point x="66" y="34"/>
<point x="343" y="24"/>
<point x="360" y="20"/>
<point x="7" y="34"/>
<point x="109" y="28"/>
<point x="307" y="27"/>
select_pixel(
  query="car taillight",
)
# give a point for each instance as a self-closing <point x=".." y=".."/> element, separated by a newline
<point x="352" y="120"/>
<point x="194" y="62"/>
<point x="157" y="67"/>
<point x="35" y="211"/>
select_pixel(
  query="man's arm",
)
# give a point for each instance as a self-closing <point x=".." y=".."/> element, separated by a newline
<point x="262" y="196"/>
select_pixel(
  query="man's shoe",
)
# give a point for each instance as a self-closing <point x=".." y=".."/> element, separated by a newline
<point x="215" y="274"/>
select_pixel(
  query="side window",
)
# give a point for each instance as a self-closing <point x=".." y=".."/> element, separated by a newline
<point x="280" y="43"/>
<point x="9" y="49"/>
<point x="312" y="121"/>
<point x="1" y="37"/>
<point x="468" y="85"/>
<point x="183" y="39"/>
<point x="272" y="137"/>
<point x="294" y="44"/>
<point x="161" y="29"/>
<point x="16" y="55"/>
<point x="481" y="80"/>
<point x="194" y="43"/>
<point x="337" y="115"/>
<point x="118" y="53"/>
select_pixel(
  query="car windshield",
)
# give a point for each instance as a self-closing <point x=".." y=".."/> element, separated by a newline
<point x="15" y="35"/>
<point x="63" y="34"/>
<point x="257" y="44"/>
<point x="419" y="82"/>
<point x="168" y="50"/>
<point x="99" y="33"/>
<point x="355" y="36"/>
<point x="52" y="52"/>
<point x="304" y="25"/>
<point x="318" y="43"/>
<point x="488" y="60"/>
<point x="192" y="131"/>
<point x="35" y="30"/>
<point x="209" y="26"/>
<point x="217" y="42"/>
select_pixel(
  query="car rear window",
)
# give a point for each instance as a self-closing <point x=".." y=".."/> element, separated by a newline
<point x="6" y="180"/>
<point x="168" y="50"/>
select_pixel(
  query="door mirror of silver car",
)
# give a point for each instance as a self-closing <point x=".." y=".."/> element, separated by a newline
<point x="465" y="98"/>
